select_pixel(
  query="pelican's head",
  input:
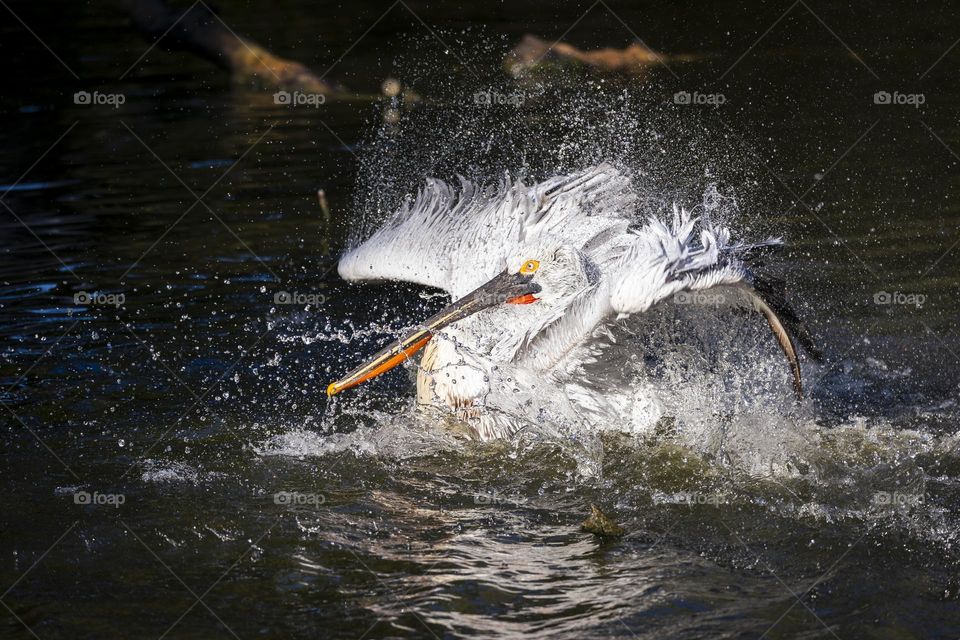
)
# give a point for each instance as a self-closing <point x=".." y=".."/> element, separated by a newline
<point x="542" y="273"/>
<point x="558" y="269"/>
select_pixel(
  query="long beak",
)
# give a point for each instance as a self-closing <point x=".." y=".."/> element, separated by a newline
<point x="515" y="288"/>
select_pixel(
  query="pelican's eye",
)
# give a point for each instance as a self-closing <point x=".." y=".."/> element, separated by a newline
<point x="530" y="266"/>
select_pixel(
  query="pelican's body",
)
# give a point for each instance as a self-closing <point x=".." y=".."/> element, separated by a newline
<point x="571" y="262"/>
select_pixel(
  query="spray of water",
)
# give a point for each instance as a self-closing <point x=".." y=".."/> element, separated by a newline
<point x="706" y="382"/>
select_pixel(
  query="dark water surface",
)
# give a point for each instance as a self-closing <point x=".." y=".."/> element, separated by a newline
<point x="229" y="499"/>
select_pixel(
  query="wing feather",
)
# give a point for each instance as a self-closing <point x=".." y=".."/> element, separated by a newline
<point x="657" y="261"/>
<point x="456" y="240"/>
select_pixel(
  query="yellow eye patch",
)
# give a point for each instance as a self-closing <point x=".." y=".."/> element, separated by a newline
<point x="530" y="266"/>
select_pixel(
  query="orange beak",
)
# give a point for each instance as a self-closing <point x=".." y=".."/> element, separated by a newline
<point x="379" y="364"/>
<point x="511" y="288"/>
<point x="527" y="298"/>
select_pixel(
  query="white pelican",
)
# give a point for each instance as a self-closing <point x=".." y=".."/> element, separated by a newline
<point x="537" y="275"/>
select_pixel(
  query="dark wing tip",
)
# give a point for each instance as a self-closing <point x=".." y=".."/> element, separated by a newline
<point x="785" y="324"/>
<point x="773" y="293"/>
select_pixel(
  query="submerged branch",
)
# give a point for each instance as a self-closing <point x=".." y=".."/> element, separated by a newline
<point x="532" y="53"/>
<point x="202" y="32"/>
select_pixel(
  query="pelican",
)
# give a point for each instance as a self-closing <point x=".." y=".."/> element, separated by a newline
<point x="538" y="275"/>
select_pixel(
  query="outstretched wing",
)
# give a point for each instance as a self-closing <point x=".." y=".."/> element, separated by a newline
<point x="657" y="262"/>
<point x="457" y="239"/>
<point x="673" y="263"/>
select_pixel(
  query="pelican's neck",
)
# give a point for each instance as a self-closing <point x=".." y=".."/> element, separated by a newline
<point x="578" y="320"/>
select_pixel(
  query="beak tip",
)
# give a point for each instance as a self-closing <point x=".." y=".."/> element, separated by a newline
<point x="332" y="390"/>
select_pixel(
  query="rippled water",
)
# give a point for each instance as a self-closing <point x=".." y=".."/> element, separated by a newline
<point x="229" y="498"/>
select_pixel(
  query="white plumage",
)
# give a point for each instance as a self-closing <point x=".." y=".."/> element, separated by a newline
<point x="508" y="364"/>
